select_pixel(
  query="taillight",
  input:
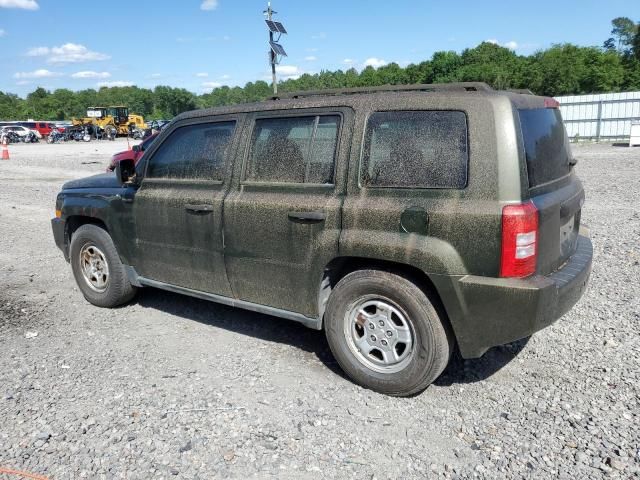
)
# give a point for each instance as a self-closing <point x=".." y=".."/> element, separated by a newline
<point x="519" y="240"/>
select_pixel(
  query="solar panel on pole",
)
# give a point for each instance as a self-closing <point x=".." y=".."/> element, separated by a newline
<point x="272" y="26"/>
<point x="280" y="27"/>
<point x="277" y="48"/>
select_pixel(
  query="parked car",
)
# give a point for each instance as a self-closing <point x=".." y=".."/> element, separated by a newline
<point x="21" y="130"/>
<point x="134" y="154"/>
<point x="403" y="221"/>
<point x="43" y="128"/>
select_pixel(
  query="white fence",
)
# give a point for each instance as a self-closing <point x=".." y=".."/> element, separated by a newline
<point x="605" y="116"/>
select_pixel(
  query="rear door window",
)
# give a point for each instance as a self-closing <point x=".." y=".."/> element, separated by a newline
<point x="416" y="149"/>
<point x="546" y="145"/>
<point x="196" y="152"/>
<point x="294" y="149"/>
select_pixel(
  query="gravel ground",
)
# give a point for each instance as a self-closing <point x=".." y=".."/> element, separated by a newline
<point x="172" y="387"/>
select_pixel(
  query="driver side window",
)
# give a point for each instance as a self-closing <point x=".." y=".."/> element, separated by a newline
<point x="197" y="152"/>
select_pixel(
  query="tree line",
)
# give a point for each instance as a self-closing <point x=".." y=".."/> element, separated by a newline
<point x="563" y="69"/>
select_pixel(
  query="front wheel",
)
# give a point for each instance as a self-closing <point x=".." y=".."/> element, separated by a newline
<point x="97" y="268"/>
<point x="385" y="333"/>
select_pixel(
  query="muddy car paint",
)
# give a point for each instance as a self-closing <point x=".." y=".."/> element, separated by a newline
<point x="264" y="259"/>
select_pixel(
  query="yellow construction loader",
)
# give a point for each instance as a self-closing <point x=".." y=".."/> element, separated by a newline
<point x="115" y="118"/>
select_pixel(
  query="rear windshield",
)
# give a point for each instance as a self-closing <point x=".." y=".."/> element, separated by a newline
<point x="546" y="145"/>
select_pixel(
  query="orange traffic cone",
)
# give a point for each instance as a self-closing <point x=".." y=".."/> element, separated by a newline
<point x="5" y="150"/>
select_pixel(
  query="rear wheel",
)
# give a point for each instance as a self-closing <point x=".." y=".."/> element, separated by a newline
<point x="97" y="268"/>
<point x="385" y="333"/>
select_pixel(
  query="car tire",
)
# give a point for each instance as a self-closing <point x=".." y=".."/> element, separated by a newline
<point x="97" y="268"/>
<point x="370" y="307"/>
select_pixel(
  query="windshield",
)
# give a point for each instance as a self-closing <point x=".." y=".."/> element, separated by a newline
<point x="546" y="145"/>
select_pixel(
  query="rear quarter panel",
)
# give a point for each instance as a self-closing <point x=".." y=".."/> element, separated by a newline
<point x="464" y="225"/>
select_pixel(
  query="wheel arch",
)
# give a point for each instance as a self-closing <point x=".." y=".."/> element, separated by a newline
<point x="340" y="267"/>
<point x="73" y="222"/>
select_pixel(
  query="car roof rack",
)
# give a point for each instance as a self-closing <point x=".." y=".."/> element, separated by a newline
<point x="430" y="87"/>
<point x="522" y="91"/>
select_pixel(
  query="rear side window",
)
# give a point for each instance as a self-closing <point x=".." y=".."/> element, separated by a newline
<point x="421" y="149"/>
<point x="546" y="145"/>
<point x="294" y="149"/>
<point x="193" y="152"/>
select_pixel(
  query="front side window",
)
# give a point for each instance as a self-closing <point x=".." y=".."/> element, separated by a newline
<point x="294" y="150"/>
<point x="415" y="149"/>
<point x="196" y="152"/>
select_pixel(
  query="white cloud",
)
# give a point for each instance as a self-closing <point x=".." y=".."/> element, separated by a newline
<point x="209" y="5"/>
<point x="156" y="75"/>
<point x="24" y="4"/>
<point x="311" y="58"/>
<point x="67" y="53"/>
<point x="23" y="82"/>
<point x="90" y="74"/>
<point x="225" y="76"/>
<point x="117" y="83"/>
<point x="512" y="45"/>
<point x="38" y="52"/>
<point x="211" y="84"/>
<point x="41" y="73"/>
<point x="348" y="61"/>
<point x="374" y="62"/>
<point x="202" y="75"/>
<point x="288" y="71"/>
<point x="3" y="32"/>
<point x="319" y="36"/>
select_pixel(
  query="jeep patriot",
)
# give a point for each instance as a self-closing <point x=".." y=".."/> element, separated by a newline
<point x="405" y="222"/>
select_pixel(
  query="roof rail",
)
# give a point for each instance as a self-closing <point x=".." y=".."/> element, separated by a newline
<point x="432" y="87"/>
<point x="522" y="91"/>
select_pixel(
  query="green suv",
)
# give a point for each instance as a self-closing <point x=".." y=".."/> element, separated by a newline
<point x="404" y="221"/>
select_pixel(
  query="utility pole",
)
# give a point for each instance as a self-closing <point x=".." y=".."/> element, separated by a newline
<point x="276" y="49"/>
<point x="272" y="54"/>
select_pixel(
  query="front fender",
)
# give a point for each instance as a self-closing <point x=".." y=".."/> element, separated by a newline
<point x="112" y="207"/>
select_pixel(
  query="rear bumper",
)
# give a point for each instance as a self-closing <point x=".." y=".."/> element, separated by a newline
<point x="494" y="311"/>
<point x="58" y="227"/>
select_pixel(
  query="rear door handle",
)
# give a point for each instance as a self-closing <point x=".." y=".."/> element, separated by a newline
<point x="307" y="217"/>
<point x="198" y="208"/>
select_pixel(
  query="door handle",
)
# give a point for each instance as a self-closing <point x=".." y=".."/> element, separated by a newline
<point x="307" y="217"/>
<point x="198" y="208"/>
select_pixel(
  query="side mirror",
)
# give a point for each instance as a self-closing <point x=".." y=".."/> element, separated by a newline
<point x="136" y="148"/>
<point x="125" y="170"/>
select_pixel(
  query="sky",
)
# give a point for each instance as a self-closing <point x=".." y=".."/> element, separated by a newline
<point x="202" y="44"/>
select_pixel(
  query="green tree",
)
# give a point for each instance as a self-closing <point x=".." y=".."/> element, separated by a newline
<point x="624" y="31"/>
<point x="498" y="66"/>
<point x="635" y="46"/>
<point x="444" y="67"/>
<point x="10" y="106"/>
